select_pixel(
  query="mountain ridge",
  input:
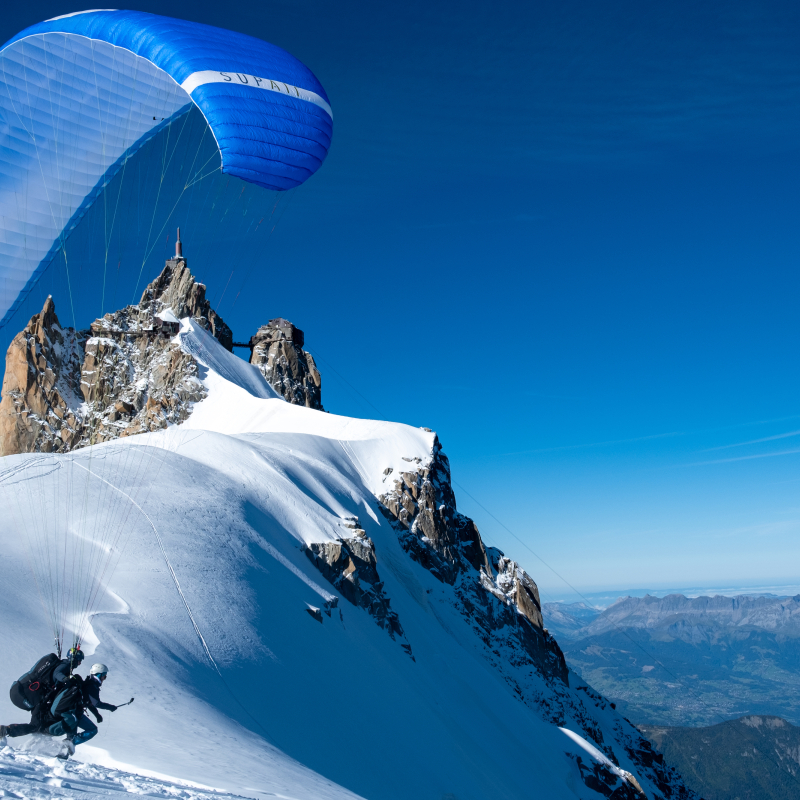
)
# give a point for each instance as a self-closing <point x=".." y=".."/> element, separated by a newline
<point x="741" y="611"/>
<point x="688" y="661"/>
<point x="64" y="388"/>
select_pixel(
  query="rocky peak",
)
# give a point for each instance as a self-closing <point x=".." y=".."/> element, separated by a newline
<point x="277" y="330"/>
<point x="277" y="350"/>
<point x="175" y="289"/>
<point x="126" y="374"/>
<point x="64" y="389"/>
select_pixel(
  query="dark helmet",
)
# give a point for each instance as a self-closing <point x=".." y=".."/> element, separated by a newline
<point x="75" y="656"/>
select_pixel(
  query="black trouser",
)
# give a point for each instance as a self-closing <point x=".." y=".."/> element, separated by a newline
<point x="39" y="720"/>
<point x="23" y="728"/>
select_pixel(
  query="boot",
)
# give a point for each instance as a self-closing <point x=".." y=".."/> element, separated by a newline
<point x="67" y="749"/>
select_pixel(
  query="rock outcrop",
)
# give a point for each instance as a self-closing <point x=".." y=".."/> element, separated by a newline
<point x="65" y="389"/>
<point x="499" y="598"/>
<point x="501" y="604"/>
<point x="610" y="782"/>
<point x="350" y="565"/>
<point x="175" y="288"/>
<point x="277" y="350"/>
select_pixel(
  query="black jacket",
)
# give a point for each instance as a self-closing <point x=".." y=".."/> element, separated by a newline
<point x="61" y="673"/>
<point x="91" y="691"/>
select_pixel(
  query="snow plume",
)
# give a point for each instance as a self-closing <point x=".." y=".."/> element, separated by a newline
<point x="307" y="616"/>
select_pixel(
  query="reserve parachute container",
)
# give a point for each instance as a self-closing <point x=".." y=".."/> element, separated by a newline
<point x="116" y="127"/>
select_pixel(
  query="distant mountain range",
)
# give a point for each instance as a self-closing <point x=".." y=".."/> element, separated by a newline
<point x="752" y="758"/>
<point x="687" y="661"/>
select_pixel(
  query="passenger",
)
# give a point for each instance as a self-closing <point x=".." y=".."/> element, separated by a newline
<point x="70" y="705"/>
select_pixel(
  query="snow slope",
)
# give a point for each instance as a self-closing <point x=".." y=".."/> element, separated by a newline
<point x="206" y="621"/>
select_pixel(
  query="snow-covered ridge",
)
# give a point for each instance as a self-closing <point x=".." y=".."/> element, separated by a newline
<point x="240" y="522"/>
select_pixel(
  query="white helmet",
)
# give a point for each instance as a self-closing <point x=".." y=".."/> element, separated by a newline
<point x="98" y="669"/>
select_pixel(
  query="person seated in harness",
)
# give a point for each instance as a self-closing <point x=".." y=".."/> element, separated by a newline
<point x="70" y="705"/>
<point x="67" y="666"/>
<point x="35" y="691"/>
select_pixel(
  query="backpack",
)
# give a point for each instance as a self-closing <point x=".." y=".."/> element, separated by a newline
<point x="69" y="699"/>
<point x="27" y="692"/>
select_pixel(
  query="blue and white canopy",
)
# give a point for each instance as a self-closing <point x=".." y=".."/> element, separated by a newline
<point x="81" y="94"/>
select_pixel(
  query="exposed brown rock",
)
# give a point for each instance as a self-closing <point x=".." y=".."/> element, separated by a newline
<point x="41" y="387"/>
<point x="350" y="565"/>
<point x="176" y="288"/>
<point x="65" y="389"/>
<point x="277" y="350"/>
<point x="519" y="587"/>
<point x="422" y="501"/>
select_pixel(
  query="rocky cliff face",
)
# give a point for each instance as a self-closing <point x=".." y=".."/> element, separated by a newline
<point x="351" y="566"/>
<point x="175" y="288"/>
<point x="500" y="603"/>
<point x="498" y="597"/>
<point x="42" y="399"/>
<point x="277" y="350"/>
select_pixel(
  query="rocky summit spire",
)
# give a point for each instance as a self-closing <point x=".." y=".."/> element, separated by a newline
<point x="176" y="289"/>
<point x="42" y="387"/>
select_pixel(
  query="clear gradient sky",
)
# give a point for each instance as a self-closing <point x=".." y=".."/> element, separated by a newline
<point x="566" y="236"/>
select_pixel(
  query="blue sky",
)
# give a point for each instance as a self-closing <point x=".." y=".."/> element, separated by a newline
<point x="566" y="237"/>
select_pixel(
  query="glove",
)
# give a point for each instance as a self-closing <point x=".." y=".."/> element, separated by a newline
<point x="111" y="708"/>
<point x="98" y="717"/>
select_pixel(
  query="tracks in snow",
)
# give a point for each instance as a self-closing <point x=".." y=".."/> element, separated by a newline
<point x="33" y="773"/>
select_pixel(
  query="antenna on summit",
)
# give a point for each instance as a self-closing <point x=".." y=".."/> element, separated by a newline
<point x="178" y="246"/>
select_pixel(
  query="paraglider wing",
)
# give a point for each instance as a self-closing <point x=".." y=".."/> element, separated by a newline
<point x="111" y="124"/>
<point x="81" y="94"/>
